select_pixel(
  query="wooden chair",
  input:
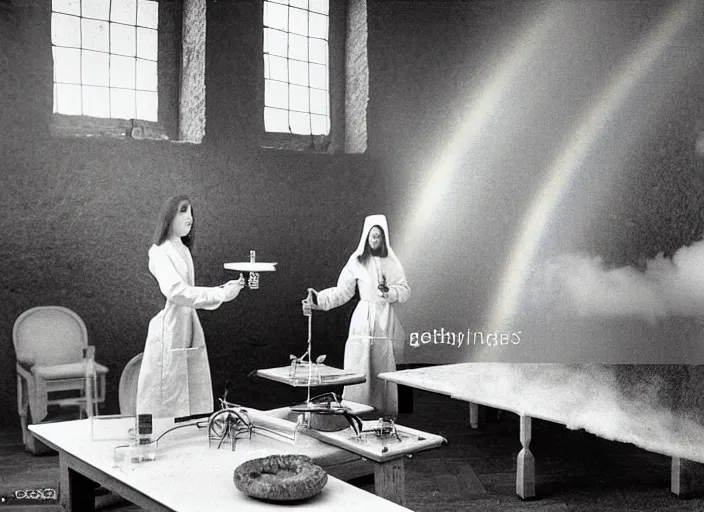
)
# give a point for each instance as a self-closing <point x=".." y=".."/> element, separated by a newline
<point x="128" y="386"/>
<point x="53" y="356"/>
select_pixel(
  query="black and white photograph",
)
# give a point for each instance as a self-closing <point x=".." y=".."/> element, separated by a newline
<point x="344" y="255"/>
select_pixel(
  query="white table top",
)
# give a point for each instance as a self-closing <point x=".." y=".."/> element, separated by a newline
<point x="248" y="266"/>
<point x="188" y="474"/>
<point x="328" y="376"/>
<point x="581" y="397"/>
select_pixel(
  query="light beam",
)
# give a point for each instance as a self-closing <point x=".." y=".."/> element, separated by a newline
<point x="571" y="157"/>
<point x="469" y="133"/>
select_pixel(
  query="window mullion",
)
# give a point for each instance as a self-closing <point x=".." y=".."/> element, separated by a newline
<point x="310" y="99"/>
<point x="80" y="55"/>
<point x="109" y="59"/>
<point x="288" y="67"/>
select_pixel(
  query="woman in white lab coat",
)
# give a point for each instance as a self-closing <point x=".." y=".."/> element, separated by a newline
<point x="174" y="379"/>
<point x="374" y="329"/>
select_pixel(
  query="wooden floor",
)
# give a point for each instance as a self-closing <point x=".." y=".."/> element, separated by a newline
<point x="576" y="472"/>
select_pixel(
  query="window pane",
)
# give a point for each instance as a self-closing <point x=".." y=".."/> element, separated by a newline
<point x="96" y="101"/>
<point x="122" y="73"/>
<point x="305" y="67"/>
<point x="318" y="76"/>
<point x="318" y="26"/>
<point x="147" y="14"/>
<point x="275" y="68"/>
<point x="275" y="94"/>
<point x="95" y="48"/>
<point x="67" y="6"/>
<point x="67" y="65"/>
<point x="122" y="104"/>
<point x="146" y="75"/>
<point x="318" y="51"/>
<point x="298" y="72"/>
<point x="284" y="2"/>
<point x="300" y="123"/>
<point x="276" y="120"/>
<point x="122" y="40"/>
<point x="298" y="21"/>
<point x="298" y="98"/>
<point x="147" y="43"/>
<point x="276" y="16"/>
<point x="99" y="9"/>
<point x="320" y="125"/>
<point x="298" y="47"/>
<point x="147" y="106"/>
<point x="95" y="35"/>
<point x="67" y="99"/>
<point x="318" y="101"/>
<point x="95" y="68"/>
<point x="65" y="30"/>
<point x="320" y="6"/>
<point x="124" y="11"/>
<point x="275" y="42"/>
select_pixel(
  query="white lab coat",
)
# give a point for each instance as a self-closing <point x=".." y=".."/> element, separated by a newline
<point x="176" y="383"/>
<point x="375" y="332"/>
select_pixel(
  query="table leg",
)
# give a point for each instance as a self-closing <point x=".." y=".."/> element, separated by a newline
<point x="77" y="491"/>
<point x="390" y="481"/>
<point x="474" y="415"/>
<point x="405" y="399"/>
<point x="686" y="478"/>
<point x="22" y="406"/>
<point x="525" y="473"/>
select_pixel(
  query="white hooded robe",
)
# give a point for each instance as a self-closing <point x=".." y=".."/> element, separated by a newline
<point x="374" y="328"/>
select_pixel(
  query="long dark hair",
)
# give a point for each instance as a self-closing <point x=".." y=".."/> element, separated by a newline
<point x="382" y="251"/>
<point x="168" y="211"/>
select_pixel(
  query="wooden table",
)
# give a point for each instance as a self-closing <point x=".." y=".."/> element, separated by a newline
<point x="580" y="397"/>
<point x="187" y="475"/>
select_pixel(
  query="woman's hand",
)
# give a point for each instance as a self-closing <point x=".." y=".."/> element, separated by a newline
<point x="390" y="295"/>
<point x="232" y="289"/>
<point x="313" y="298"/>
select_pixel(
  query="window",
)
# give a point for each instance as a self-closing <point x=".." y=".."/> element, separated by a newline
<point x="105" y="58"/>
<point x="296" y="67"/>
<point x="128" y="68"/>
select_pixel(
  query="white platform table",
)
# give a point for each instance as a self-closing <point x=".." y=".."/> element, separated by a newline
<point x="580" y="397"/>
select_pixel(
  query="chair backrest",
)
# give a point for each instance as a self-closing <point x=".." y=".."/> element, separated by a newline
<point x="49" y="335"/>
<point x="127" y="390"/>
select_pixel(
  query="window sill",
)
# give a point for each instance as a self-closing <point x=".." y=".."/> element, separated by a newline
<point x="293" y="142"/>
<point x="85" y="127"/>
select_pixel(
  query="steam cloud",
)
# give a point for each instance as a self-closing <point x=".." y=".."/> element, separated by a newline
<point x="613" y="404"/>
<point x="654" y="407"/>
<point x="667" y="287"/>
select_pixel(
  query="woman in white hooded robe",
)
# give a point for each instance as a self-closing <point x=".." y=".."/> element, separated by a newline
<point x="174" y="379"/>
<point x="375" y="332"/>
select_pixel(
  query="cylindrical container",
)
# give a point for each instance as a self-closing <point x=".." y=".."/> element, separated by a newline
<point x="144" y="447"/>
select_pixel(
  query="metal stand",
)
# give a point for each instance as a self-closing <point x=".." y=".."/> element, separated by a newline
<point x="229" y="422"/>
